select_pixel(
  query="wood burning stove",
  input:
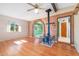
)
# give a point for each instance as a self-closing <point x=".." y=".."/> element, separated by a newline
<point x="48" y="40"/>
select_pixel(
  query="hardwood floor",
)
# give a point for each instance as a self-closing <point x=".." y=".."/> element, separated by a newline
<point x="29" y="48"/>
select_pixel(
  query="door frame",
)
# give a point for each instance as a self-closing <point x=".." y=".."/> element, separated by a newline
<point x="71" y="28"/>
<point x="67" y="25"/>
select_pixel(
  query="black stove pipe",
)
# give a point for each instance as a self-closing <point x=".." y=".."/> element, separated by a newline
<point x="48" y="11"/>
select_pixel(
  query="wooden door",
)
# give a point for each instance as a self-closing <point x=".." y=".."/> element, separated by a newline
<point x="63" y="29"/>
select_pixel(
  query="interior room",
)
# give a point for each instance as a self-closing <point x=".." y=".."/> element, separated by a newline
<point x="39" y="29"/>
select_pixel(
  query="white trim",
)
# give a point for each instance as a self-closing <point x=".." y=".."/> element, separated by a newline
<point x="68" y="28"/>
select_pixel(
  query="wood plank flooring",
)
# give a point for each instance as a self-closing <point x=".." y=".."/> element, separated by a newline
<point x="29" y="48"/>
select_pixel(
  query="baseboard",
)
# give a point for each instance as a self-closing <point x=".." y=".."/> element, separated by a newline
<point x="13" y="38"/>
<point x="76" y="49"/>
<point x="64" y="42"/>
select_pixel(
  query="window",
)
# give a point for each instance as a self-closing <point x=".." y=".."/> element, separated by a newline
<point x="13" y="28"/>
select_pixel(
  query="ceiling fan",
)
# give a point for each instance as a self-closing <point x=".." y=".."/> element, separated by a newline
<point x="36" y="7"/>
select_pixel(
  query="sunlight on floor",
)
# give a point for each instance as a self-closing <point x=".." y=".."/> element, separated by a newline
<point x="20" y="42"/>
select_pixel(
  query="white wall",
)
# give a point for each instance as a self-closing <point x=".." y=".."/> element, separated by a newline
<point x="76" y="31"/>
<point x="4" y="35"/>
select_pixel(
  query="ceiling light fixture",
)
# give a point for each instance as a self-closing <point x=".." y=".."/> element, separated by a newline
<point x="36" y="10"/>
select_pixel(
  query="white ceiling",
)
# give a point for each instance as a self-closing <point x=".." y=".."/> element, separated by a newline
<point x="19" y="10"/>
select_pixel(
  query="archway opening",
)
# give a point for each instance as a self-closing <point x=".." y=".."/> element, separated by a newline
<point x="38" y="30"/>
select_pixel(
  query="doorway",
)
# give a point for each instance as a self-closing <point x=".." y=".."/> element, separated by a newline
<point x="64" y="29"/>
<point x="38" y="29"/>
